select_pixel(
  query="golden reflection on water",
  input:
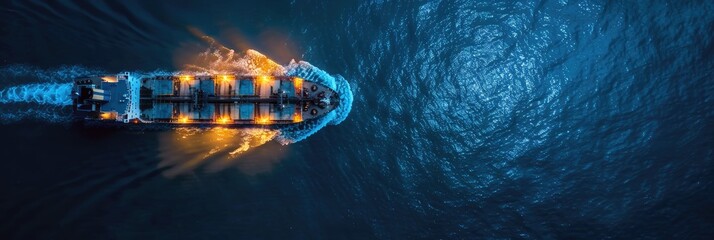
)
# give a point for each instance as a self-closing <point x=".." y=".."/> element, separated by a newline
<point x="218" y="58"/>
<point x="189" y="149"/>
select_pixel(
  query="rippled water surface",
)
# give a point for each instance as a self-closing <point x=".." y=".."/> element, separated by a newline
<point x="471" y="120"/>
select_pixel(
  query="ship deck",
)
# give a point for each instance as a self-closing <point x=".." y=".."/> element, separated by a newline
<point x="215" y="99"/>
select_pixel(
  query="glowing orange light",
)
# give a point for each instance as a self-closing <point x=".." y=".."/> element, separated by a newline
<point x="264" y="79"/>
<point x="225" y="77"/>
<point x="105" y="115"/>
<point x="183" y="119"/>
<point x="298" y="82"/>
<point x="262" y="120"/>
<point x="224" y="120"/>
<point x="186" y="78"/>
<point x="297" y="118"/>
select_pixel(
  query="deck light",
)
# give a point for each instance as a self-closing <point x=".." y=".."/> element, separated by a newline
<point x="298" y="82"/>
<point x="224" y="120"/>
<point x="183" y="119"/>
<point x="225" y="77"/>
<point x="186" y="78"/>
<point x="297" y="118"/>
<point x="262" y="120"/>
<point x="264" y="79"/>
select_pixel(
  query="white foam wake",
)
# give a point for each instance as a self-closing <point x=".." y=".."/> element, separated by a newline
<point x="42" y="93"/>
<point x="296" y="133"/>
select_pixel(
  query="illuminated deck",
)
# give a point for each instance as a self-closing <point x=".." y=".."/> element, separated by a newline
<point x="202" y="99"/>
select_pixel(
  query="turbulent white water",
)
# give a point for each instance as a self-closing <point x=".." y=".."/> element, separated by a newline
<point x="42" y="93"/>
<point x="305" y="70"/>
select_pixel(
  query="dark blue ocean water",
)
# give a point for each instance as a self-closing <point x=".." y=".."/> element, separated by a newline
<point x="471" y="120"/>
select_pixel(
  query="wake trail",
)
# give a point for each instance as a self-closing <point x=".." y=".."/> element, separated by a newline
<point x="57" y="94"/>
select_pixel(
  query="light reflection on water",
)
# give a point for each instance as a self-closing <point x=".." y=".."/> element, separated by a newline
<point x="189" y="149"/>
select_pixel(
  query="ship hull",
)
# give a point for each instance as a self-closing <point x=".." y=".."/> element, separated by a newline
<point x="230" y="100"/>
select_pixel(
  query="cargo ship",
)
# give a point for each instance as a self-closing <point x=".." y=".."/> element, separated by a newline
<point x="201" y="100"/>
